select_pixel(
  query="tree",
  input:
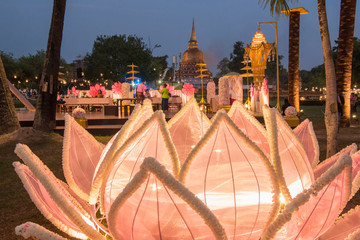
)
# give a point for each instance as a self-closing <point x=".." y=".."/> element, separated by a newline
<point x="271" y="72"/>
<point x="276" y="6"/>
<point x="45" y="115"/>
<point x="293" y="66"/>
<point x="223" y="66"/>
<point x="8" y="118"/>
<point x="313" y="78"/>
<point x="344" y="56"/>
<point x="355" y="75"/>
<point x="30" y="69"/>
<point x="10" y="64"/>
<point x="237" y="57"/>
<point x="111" y="55"/>
<point x="331" y="110"/>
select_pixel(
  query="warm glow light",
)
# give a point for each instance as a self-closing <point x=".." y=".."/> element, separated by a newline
<point x="282" y="199"/>
<point x="221" y="200"/>
<point x="230" y="182"/>
<point x="154" y="187"/>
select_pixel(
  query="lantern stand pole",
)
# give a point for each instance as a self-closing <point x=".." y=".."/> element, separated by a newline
<point x="201" y="70"/>
<point x="274" y="25"/>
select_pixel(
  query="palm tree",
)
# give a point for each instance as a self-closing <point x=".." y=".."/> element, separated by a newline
<point x="293" y="67"/>
<point x="331" y="110"/>
<point x="344" y="56"/>
<point x="45" y="115"/>
<point x="277" y="6"/>
<point x="8" y="118"/>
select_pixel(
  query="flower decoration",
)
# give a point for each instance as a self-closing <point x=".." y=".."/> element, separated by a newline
<point x="74" y="92"/>
<point x="290" y="111"/>
<point x="94" y="90"/>
<point x="116" y="88"/>
<point x="188" y="89"/>
<point x="79" y="113"/>
<point x="193" y="178"/>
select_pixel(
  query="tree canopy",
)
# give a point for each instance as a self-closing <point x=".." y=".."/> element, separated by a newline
<point x="316" y="76"/>
<point x="25" y="72"/>
<point x="111" y="56"/>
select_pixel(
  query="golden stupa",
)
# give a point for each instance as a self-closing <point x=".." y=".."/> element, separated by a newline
<point x="188" y="66"/>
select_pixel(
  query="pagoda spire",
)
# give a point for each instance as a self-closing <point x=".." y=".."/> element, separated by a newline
<point x="193" y="42"/>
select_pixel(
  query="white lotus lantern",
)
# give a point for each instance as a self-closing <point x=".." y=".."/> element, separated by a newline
<point x="193" y="178"/>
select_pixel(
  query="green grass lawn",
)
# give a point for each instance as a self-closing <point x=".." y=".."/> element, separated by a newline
<point x="16" y="206"/>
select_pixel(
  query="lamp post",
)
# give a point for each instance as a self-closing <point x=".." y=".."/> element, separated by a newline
<point x="274" y="25"/>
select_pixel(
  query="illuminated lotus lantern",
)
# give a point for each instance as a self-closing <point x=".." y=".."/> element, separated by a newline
<point x="193" y="178"/>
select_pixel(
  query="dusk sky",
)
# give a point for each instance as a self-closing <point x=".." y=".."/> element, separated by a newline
<point x="218" y="23"/>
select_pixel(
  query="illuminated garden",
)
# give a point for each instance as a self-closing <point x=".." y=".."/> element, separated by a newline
<point x="122" y="144"/>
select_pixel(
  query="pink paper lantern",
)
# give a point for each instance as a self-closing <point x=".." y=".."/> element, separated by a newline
<point x="116" y="88"/>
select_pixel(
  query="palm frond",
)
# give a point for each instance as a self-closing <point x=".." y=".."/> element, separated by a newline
<point x="276" y="6"/>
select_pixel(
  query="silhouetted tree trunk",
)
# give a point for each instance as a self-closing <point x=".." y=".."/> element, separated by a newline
<point x="344" y="56"/>
<point x="8" y="118"/>
<point x="331" y="110"/>
<point x="293" y="73"/>
<point x="45" y="115"/>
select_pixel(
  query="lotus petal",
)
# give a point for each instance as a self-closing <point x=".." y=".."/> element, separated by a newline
<point x="233" y="177"/>
<point x="30" y="229"/>
<point x="250" y="126"/>
<point x="313" y="212"/>
<point x="287" y="156"/>
<point x="305" y="133"/>
<point x="151" y="140"/>
<point x="355" y="176"/>
<point x="53" y="198"/>
<point x="81" y="154"/>
<point x="154" y="205"/>
<point x="325" y="165"/>
<point x="187" y="127"/>
<point x="136" y="119"/>
<point x="344" y="227"/>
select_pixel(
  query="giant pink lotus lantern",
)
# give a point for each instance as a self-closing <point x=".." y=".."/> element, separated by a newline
<point x="94" y="90"/>
<point x="193" y="178"/>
